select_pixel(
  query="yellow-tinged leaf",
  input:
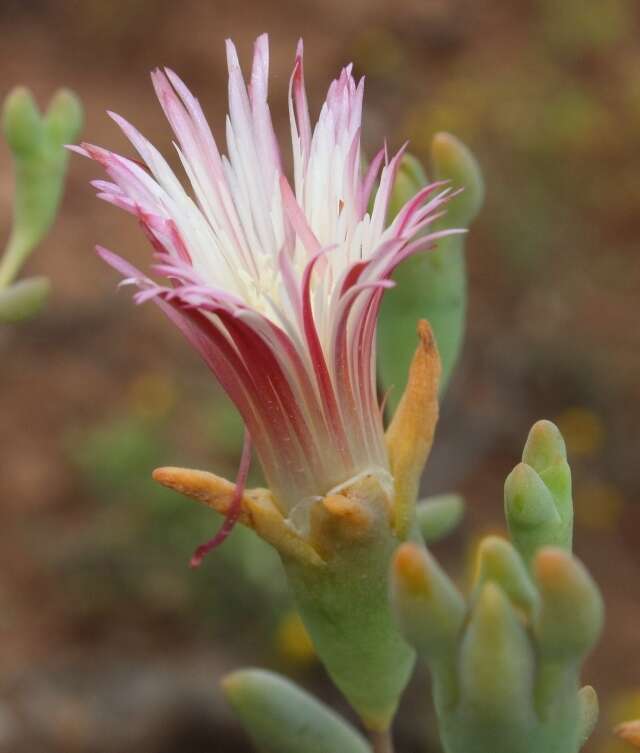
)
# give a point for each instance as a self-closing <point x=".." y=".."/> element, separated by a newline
<point x="410" y="435"/>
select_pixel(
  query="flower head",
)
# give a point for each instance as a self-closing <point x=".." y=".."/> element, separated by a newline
<point x="277" y="283"/>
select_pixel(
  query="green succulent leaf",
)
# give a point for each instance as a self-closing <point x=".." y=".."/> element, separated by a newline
<point x="282" y="718"/>
<point x="496" y="661"/>
<point x="505" y="663"/>
<point x="439" y="515"/>
<point x="589" y="711"/>
<point x="431" y="285"/>
<point x="537" y="494"/>
<point x="40" y="159"/>
<point x="500" y="563"/>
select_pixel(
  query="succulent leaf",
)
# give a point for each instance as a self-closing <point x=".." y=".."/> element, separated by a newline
<point x="537" y="494"/>
<point x="40" y="159"/>
<point x="433" y="284"/>
<point x="498" y="562"/>
<point x="505" y="667"/>
<point x="282" y="718"/>
<point x="439" y="515"/>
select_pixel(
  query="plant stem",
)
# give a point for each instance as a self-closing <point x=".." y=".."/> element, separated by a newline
<point x="14" y="256"/>
<point x="382" y="742"/>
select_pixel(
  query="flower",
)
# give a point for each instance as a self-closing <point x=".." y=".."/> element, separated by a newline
<point x="277" y="284"/>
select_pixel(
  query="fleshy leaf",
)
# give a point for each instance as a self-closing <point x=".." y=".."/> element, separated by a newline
<point x="40" y="159"/>
<point x="439" y="515"/>
<point x="498" y="562"/>
<point x="537" y="494"/>
<point x="433" y="284"/>
<point x="571" y="613"/>
<point x="431" y="613"/>
<point x="282" y="718"/>
<point x="410" y="435"/>
<point x="589" y="711"/>
<point x="496" y="659"/>
<point x="505" y="672"/>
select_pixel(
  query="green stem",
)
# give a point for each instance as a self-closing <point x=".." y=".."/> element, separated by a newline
<point x="13" y="258"/>
<point x="382" y="742"/>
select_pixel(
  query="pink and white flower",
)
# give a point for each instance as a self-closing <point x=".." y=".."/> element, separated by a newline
<point x="277" y="284"/>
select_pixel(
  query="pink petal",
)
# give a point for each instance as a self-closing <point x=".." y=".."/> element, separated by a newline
<point x="235" y="506"/>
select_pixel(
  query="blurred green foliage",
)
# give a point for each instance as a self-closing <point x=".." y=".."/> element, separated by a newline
<point x="142" y="535"/>
<point x="37" y="143"/>
<point x="581" y="27"/>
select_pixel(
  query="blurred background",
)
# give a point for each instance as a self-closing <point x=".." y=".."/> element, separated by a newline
<point x="108" y="642"/>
